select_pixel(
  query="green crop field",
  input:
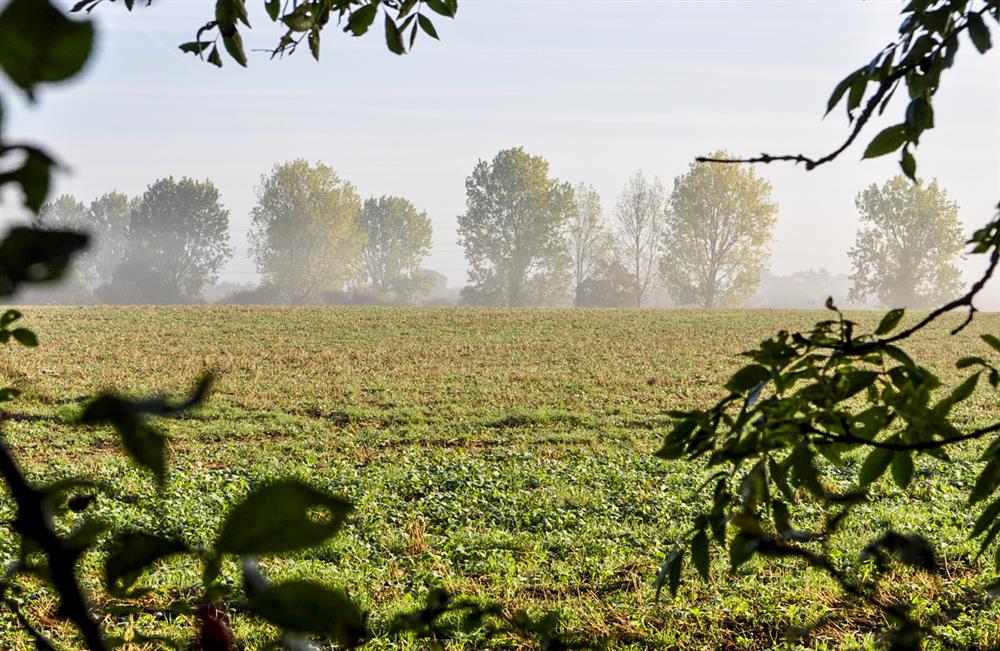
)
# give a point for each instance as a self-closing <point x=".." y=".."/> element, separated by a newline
<point x="501" y="454"/>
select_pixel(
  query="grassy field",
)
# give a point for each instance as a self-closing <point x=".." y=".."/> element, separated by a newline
<point x="502" y="454"/>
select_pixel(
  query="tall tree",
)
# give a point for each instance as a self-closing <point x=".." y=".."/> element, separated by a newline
<point x="398" y="238"/>
<point x="640" y="225"/>
<point x="306" y="237"/>
<point x="719" y="224"/>
<point x="589" y="241"/>
<point x="109" y="216"/>
<point x="513" y="231"/>
<point x="105" y="220"/>
<point x="179" y="232"/>
<point x="66" y="212"/>
<point x="905" y="254"/>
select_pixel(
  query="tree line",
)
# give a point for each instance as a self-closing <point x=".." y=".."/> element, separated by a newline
<point x="529" y="239"/>
<point x="313" y="240"/>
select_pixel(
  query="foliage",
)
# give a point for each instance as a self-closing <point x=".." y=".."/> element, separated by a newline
<point x="305" y="20"/>
<point x="398" y="238"/>
<point x="717" y="229"/>
<point x="926" y="46"/>
<point x="806" y="400"/>
<point x="905" y="255"/>
<point x="640" y="215"/>
<point x="590" y="243"/>
<point x="107" y="216"/>
<point x="513" y="231"/>
<point x="306" y="238"/>
<point x="177" y="241"/>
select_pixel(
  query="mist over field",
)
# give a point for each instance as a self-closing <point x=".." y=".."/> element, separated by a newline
<point x="599" y="115"/>
<point x="466" y="324"/>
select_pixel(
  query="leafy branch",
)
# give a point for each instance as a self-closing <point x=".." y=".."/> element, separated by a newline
<point x="927" y="45"/>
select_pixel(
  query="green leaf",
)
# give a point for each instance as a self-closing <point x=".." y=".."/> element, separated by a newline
<point x="131" y="555"/>
<point x="741" y="548"/>
<point x="393" y="38"/>
<point x="782" y="518"/>
<point x="992" y="341"/>
<point x="909" y="165"/>
<point x="234" y="45"/>
<point x="308" y="607"/>
<point x="314" y="43"/>
<point x="987" y="482"/>
<point x="889" y="321"/>
<point x="747" y="378"/>
<point x="193" y="47"/>
<point x="10" y="316"/>
<point x="874" y="466"/>
<point x="33" y="176"/>
<point x="919" y="114"/>
<point x="856" y="93"/>
<point x="29" y="255"/>
<point x="887" y="141"/>
<point x="986" y="518"/>
<point x="979" y="32"/>
<point x="9" y="393"/>
<point x="427" y="26"/>
<point x="214" y="58"/>
<point x="281" y="517"/>
<point x="273" y="8"/>
<point x="902" y="469"/>
<point x="40" y="44"/>
<point x="964" y="390"/>
<point x="842" y="88"/>
<point x="441" y="7"/>
<point x="361" y="19"/>
<point x="700" y="553"/>
<point x="142" y="442"/>
<point x="147" y="447"/>
<point x="25" y="337"/>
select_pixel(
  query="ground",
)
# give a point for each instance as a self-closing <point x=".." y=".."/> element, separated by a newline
<point x="502" y="454"/>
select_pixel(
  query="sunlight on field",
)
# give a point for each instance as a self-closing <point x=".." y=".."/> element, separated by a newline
<point x="498" y="453"/>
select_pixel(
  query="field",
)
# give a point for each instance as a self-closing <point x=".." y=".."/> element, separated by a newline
<point x="500" y="454"/>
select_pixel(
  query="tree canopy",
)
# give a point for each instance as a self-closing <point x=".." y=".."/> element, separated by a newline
<point x="905" y="253"/>
<point x="178" y="234"/>
<point x="590" y="243"/>
<point x="717" y="229"/>
<point x="513" y="231"/>
<point x="397" y="239"/>
<point x="306" y="236"/>
<point x="640" y="221"/>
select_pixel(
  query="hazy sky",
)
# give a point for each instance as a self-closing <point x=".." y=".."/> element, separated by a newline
<point x="601" y="88"/>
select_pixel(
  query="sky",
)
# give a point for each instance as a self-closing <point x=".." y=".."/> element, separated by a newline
<point x="601" y="88"/>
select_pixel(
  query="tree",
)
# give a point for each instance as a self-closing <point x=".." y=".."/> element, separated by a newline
<point x="109" y="216"/>
<point x="609" y="284"/>
<point x="640" y="225"/>
<point x="106" y="219"/>
<point x="841" y="389"/>
<point x="513" y="231"/>
<point x="306" y="236"/>
<point x="715" y="242"/>
<point x="589" y="242"/>
<point x="66" y="212"/>
<point x="398" y="238"/>
<point x="905" y="254"/>
<point x="179" y="233"/>
<point x="786" y="449"/>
